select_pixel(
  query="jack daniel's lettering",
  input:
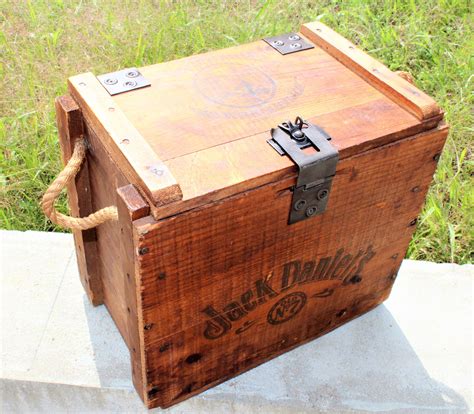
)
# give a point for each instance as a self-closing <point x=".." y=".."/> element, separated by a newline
<point x="341" y="266"/>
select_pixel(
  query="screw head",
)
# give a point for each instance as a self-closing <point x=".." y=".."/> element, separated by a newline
<point x="356" y="279"/>
<point x="162" y="276"/>
<point x="132" y="74"/>
<point x="299" y="205"/>
<point x="278" y="42"/>
<point x="157" y="171"/>
<point x="294" y="37"/>
<point x="295" y="45"/>
<point x="110" y="81"/>
<point x="130" y="84"/>
<point x="165" y="347"/>
<point x="298" y="135"/>
<point x="323" y="193"/>
<point x="311" y="211"/>
<point x="341" y="313"/>
<point x="143" y="250"/>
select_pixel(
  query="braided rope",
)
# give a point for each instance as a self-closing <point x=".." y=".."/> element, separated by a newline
<point x="61" y="181"/>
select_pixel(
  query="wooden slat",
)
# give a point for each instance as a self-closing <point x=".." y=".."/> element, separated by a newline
<point x="218" y="97"/>
<point x="212" y="114"/>
<point x="215" y="98"/>
<point x="134" y="205"/>
<point x="131" y="206"/>
<point x="105" y="178"/>
<point x="122" y="140"/>
<point x="70" y="127"/>
<point x="388" y="82"/>
<point x="215" y="255"/>
<point x="250" y="162"/>
<point x="115" y="246"/>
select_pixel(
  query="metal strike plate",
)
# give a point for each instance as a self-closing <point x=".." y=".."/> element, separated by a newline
<point x="288" y="43"/>
<point x="309" y="147"/>
<point x="123" y="81"/>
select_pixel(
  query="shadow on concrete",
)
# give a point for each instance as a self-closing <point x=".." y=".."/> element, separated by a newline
<point x="368" y="365"/>
<point x="111" y="355"/>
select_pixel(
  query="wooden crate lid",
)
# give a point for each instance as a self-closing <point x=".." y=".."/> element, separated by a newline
<point x="198" y="133"/>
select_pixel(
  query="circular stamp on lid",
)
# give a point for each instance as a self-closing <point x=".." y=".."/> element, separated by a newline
<point x="235" y="85"/>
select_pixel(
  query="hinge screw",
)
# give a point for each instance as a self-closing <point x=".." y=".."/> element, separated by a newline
<point x="322" y="193"/>
<point x="311" y="211"/>
<point x="130" y="83"/>
<point x="110" y="81"/>
<point x="295" y="45"/>
<point x="299" y="204"/>
<point x="278" y="43"/>
<point x="294" y="37"/>
<point x="132" y="74"/>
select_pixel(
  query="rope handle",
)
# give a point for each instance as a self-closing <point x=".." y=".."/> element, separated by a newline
<point x="62" y="180"/>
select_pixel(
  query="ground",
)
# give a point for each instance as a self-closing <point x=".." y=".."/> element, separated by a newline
<point x="44" y="42"/>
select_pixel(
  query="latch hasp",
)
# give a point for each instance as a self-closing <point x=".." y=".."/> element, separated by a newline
<point x="317" y="167"/>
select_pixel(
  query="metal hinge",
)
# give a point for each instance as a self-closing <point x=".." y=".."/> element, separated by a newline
<point x="308" y="146"/>
<point x="123" y="81"/>
<point x="288" y="43"/>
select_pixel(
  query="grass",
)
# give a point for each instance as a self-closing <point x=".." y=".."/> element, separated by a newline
<point x="44" y="42"/>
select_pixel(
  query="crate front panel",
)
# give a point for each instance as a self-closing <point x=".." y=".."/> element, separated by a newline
<point x="231" y="285"/>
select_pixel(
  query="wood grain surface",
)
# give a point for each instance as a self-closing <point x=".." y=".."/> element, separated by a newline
<point x="138" y="162"/>
<point x="213" y="278"/>
<point x="70" y="127"/>
<point x="205" y="119"/>
<point x="400" y="90"/>
<point x="208" y="116"/>
<point x="201" y="273"/>
<point x="131" y="206"/>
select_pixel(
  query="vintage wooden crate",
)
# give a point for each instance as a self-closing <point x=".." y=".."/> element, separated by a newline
<point x="220" y="253"/>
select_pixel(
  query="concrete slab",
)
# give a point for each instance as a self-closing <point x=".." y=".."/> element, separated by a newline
<point x="59" y="354"/>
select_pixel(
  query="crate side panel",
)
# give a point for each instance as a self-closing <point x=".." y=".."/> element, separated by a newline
<point x="116" y="250"/>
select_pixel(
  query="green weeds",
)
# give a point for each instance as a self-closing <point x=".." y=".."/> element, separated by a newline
<point x="44" y="42"/>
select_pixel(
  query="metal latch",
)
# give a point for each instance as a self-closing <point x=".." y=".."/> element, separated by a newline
<point x="288" y="43"/>
<point x="123" y="81"/>
<point x="309" y="147"/>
